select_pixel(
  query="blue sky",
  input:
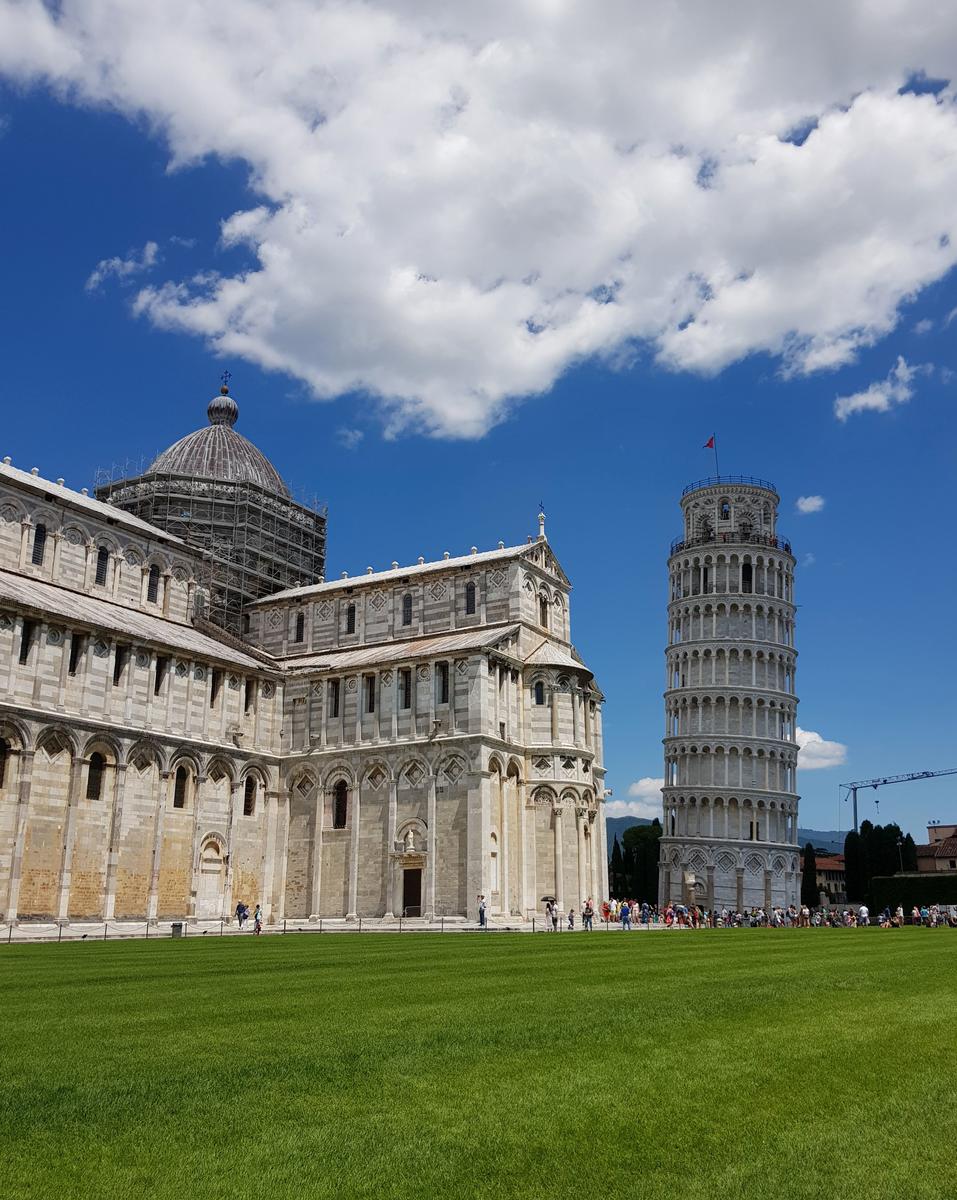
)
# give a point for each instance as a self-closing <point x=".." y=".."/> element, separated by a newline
<point x="607" y="435"/>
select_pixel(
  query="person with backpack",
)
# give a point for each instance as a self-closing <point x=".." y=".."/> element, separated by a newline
<point x="588" y="915"/>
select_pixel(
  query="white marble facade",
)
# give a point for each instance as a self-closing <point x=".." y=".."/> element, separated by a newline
<point x="400" y="741"/>
<point x="730" y="803"/>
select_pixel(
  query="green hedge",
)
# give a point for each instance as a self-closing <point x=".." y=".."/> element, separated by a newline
<point x="910" y="889"/>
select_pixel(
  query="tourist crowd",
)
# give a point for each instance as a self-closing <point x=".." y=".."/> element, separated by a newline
<point x="630" y="913"/>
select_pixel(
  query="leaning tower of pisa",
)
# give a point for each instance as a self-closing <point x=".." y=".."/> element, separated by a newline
<point x="729" y="799"/>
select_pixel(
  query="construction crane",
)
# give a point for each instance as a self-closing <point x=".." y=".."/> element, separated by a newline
<point x="851" y="788"/>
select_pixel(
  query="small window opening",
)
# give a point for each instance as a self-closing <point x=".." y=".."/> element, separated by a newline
<point x="351" y="619"/>
<point x="102" y="565"/>
<point x="442" y="682"/>
<point x="543" y="611"/>
<point x="77" y="644"/>
<point x="162" y="670"/>
<point x="216" y="683"/>
<point x="152" y="585"/>
<point x="539" y="693"/>
<point x="249" y="693"/>
<point x="4" y="755"/>
<point x="179" y="787"/>
<point x="725" y="510"/>
<point x="407" y="609"/>
<point x="405" y="687"/>
<point x="94" y="776"/>
<point x="120" y="656"/>
<point x="245" y="622"/>
<point x="470" y="598"/>
<point x="340" y="804"/>
<point x="39" y="545"/>
<point x="746" y="577"/>
<point x="26" y="640"/>
<point x="369" y="683"/>
<point x="300" y="627"/>
<point x="249" y="796"/>
<point x="334" y="697"/>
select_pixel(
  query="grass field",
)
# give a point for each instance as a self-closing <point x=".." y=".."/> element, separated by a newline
<point x="751" y="1063"/>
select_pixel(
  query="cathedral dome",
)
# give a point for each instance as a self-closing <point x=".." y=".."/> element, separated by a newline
<point x="219" y="452"/>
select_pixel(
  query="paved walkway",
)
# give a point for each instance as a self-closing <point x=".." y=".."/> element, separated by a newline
<point x="79" y="931"/>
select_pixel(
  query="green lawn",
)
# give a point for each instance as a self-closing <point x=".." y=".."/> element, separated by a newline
<point x="739" y="1063"/>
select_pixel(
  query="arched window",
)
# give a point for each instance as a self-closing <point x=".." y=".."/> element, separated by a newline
<point x="340" y="804"/>
<point x="39" y="544"/>
<point x="539" y="691"/>
<point x="746" y="577"/>
<point x="407" y="609"/>
<point x="300" y="627"/>
<point x="249" y="796"/>
<point x="102" y="565"/>
<point x="470" y="598"/>
<point x="4" y="755"/>
<point x="543" y="610"/>
<point x="153" y="584"/>
<point x="351" y="619"/>
<point x="94" y="777"/>
<point x="179" y="787"/>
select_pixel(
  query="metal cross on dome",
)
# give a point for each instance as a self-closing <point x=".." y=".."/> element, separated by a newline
<point x="225" y="377"/>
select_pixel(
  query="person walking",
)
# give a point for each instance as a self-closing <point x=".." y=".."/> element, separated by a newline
<point x="588" y="915"/>
<point x="625" y="915"/>
<point x="482" y="910"/>
<point x="258" y="919"/>
<point x="555" y="917"/>
<point x="571" y="920"/>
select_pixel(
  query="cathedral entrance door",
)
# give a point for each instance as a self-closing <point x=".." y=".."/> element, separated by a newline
<point x="412" y="892"/>
<point x="209" y="899"/>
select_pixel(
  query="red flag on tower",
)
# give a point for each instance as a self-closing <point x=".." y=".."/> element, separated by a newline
<point x="709" y="444"/>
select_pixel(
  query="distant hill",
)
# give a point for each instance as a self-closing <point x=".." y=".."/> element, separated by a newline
<point x="831" y="840"/>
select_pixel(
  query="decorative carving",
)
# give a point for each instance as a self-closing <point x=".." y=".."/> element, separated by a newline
<point x="304" y="785"/>
<point x="438" y="589"/>
<point x="8" y="514"/>
<point x="376" y="778"/>
<point x="352" y="683"/>
<point x="199" y="672"/>
<point x="133" y="556"/>
<point x="316" y="688"/>
<point x="414" y="774"/>
<point x="233" y="682"/>
<point x="182" y="669"/>
<point x="542" y="766"/>
<point x="6" y="621"/>
<point x="74" y="536"/>
<point x="387" y="679"/>
<point x="142" y="658"/>
<point x="378" y="602"/>
<point x="274" y="620"/>
<point x="54" y="635"/>
<point x="268" y="689"/>
<point x="101" y="648"/>
<point x="462" y="667"/>
<point x="453" y="770"/>
<point x="753" y="863"/>
<point x="324" y="610"/>
<point x="142" y="762"/>
<point x="424" y="673"/>
<point x="496" y="580"/>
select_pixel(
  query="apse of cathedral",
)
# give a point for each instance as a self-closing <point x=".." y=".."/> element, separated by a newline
<point x="192" y="716"/>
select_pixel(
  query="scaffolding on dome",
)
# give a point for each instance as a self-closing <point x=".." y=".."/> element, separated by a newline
<point x="253" y="541"/>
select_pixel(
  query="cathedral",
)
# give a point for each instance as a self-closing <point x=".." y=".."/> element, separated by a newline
<point x="191" y="715"/>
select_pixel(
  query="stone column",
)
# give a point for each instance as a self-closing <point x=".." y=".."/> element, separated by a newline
<point x="24" y="777"/>
<point x="559" y="861"/>
<point x="477" y="839"/>
<point x="66" y="863"/>
<point x="581" y="818"/>
<point x="352" y="913"/>
<point x="390" y="843"/>
<point x="430" y="862"/>
<point x="162" y="789"/>
<point x="113" y="845"/>
<point x="194" y="852"/>
<point x="315" y="898"/>
<point x="739" y="896"/>
<point x="505" y="849"/>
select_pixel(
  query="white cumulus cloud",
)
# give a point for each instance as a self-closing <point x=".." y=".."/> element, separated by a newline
<point x="815" y="753"/>
<point x="457" y="203"/>
<point x="122" y="268"/>
<point x="882" y="396"/>
<point x="809" y="504"/>
<point x="644" y="800"/>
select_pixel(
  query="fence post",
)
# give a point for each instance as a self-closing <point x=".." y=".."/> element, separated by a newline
<point x="59" y="931"/>
<point x="220" y="926"/>
<point x="105" y="928"/>
<point x="442" y="923"/>
<point x="320" y="924"/>
<point x="400" y="922"/>
<point x="360" y="924"/>
<point x="533" y="924"/>
<point x="147" y="928"/>
<point x="284" y="924"/>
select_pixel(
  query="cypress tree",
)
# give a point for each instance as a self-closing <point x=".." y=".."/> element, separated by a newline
<point x="809" y="892"/>
<point x="616" y="870"/>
